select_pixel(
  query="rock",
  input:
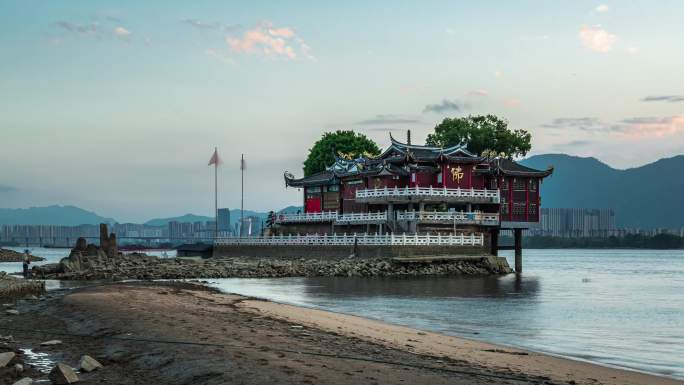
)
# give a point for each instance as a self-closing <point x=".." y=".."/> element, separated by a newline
<point x="24" y="381"/>
<point x="12" y="312"/>
<point x="5" y="358"/>
<point x="51" y="343"/>
<point x="18" y="368"/>
<point x="62" y="374"/>
<point x="88" y="364"/>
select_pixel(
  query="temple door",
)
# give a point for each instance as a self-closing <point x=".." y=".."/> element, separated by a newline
<point x="313" y="205"/>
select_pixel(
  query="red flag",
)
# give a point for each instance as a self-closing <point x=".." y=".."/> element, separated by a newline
<point x="215" y="158"/>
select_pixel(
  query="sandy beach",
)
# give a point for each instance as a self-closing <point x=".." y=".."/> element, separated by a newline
<point x="180" y="334"/>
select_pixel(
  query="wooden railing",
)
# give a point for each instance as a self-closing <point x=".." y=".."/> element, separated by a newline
<point x="397" y="192"/>
<point x="458" y="216"/>
<point x="360" y="239"/>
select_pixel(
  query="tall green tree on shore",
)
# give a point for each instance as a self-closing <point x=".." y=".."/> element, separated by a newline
<point x="481" y="133"/>
<point x="348" y="143"/>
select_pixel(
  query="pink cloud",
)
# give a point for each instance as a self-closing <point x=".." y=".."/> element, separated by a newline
<point x="652" y="127"/>
<point x="512" y="103"/>
<point x="478" y="92"/>
<point x="596" y="38"/>
<point x="267" y="40"/>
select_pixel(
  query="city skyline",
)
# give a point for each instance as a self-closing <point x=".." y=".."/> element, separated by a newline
<point x="116" y="107"/>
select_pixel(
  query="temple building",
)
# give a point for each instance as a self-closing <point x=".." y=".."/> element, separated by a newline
<point x="415" y="189"/>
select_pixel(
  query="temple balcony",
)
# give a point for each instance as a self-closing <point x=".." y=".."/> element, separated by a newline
<point x="325" y="216"/>
<point x="333" y="216"/>
<point x="361" y="218"/>
<point x="455" y="217"/>
<point x="476" y="239"/>
<point x="426" y="194"/>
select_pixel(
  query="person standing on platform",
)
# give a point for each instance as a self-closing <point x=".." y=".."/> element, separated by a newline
<point x="27" y="261"/>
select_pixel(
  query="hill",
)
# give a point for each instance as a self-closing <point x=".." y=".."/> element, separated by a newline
<point x="183" y="218"/>
<point x="234" y="216"/>
<point x="644" y="197"/>
<point x="51" y="215"/>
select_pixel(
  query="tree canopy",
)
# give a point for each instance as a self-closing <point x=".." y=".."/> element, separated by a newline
<point x="481" y="133"/>
<point x="346" y="143"/>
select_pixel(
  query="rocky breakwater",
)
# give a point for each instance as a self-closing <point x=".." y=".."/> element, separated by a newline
<point x="12" y="288"/>
<point x="14" y="256"/>
<point x="91" y="262"/>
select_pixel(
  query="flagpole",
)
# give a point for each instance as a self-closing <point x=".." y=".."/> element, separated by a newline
<point x="242" y="193"/>
<point x="216" y="195"/>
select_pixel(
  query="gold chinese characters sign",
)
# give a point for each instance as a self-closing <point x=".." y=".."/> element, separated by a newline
<point x="457" y="174"/>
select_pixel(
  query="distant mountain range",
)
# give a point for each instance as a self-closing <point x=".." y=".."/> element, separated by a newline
<point x="646" y="197"/>
<point x="51" y="215"/>
<point x="234" y="216"/>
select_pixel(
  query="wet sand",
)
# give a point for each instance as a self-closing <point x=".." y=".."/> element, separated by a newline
<point x="179" y="334"/>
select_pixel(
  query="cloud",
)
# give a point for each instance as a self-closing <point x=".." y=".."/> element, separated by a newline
<point x="634" y="128"/>
<point x="632" y="50"/>
<point x="200" y="24"/>
<point x="512" y="103"/>
<point x="219" y="56"/>
<point x="92" y="29"/>
<point x="596" y="38"/>
<point x="498" y="73"/>
<point x="664" y="98"/>
<point x="122" y="33"/>
<point x="584" y="124"/>
<point x="478" y="92"/>
<point x="649" y="127"/>
<point x="444" y="106"/>
<point x="389" y="119"/>
<point x="5" y="188"/>
<point x="206" y="26"/>
<point x="267" y="40"/>
<point x="602" y="8"/>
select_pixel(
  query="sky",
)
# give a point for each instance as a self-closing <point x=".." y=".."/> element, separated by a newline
<point x="116" y="106"/>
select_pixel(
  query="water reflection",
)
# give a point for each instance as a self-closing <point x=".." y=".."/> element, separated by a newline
<point x="424" y="287"/>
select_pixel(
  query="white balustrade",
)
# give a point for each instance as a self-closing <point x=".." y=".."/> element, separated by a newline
<point x="324" y="216"/>
<point x="360" y="239"/>
<point x="449" y="216"/>
<point x="362" y="217"/>
<point x="397" y="192"/>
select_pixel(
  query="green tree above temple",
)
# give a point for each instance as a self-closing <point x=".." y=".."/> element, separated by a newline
<point x="481" y="133"/>
<point x="347" y="144"/>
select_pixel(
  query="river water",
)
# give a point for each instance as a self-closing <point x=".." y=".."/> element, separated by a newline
<point x="615" y="307"/>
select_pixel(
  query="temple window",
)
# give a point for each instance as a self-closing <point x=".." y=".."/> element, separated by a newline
<point x="518" y="209"/>
<point x="493" y="184"/>
<point x="519" y="184"/>
<point x="439" y="177"/>
<point x="533" y="185"/>
<point x="532" y="209"/>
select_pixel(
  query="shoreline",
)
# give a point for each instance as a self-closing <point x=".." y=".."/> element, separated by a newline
<point x="495" y="355"/>
<point x="257" y="299"/>
<point x="276" y="336"/>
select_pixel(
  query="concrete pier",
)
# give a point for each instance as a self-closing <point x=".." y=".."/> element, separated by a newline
<point x="517" y="234"/>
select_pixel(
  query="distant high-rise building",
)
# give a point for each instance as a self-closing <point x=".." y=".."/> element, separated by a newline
<point x="223" y="219"/>
<point x="577" y="222"/>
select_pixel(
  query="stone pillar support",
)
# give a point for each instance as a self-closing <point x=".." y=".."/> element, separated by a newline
<point x="518" y="250"/>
